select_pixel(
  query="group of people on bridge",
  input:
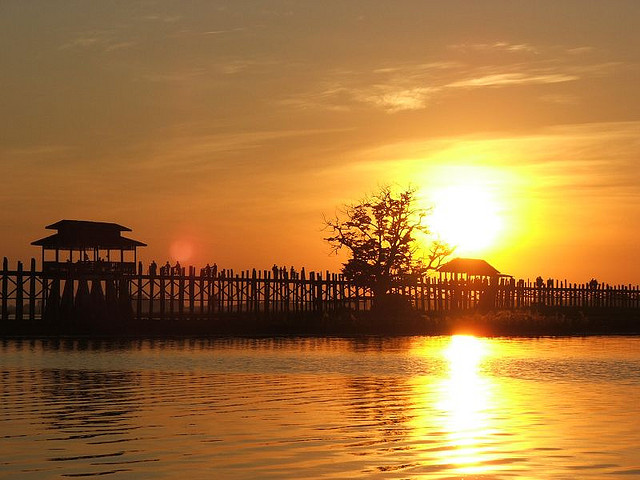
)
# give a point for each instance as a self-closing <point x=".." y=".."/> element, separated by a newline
<point x="212" y="270"/>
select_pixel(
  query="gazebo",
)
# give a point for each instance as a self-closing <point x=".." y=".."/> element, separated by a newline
<point x="482" y="278"/>
<point x="470" y="267"/>
<point x="81" y="246"/>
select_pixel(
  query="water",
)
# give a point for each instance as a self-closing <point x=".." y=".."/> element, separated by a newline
<point x="443" y="407"/>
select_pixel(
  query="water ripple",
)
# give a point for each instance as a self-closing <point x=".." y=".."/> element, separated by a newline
<point x="331" y="408"/>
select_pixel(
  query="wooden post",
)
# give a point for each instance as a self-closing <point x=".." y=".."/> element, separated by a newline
<point x="233" y="292"/>
<point x="162" y="295"/>
<point x="254" y="285"/>
<point x="45" y="295"/>
<point x="19" y="292"/>
<point x="237" y="294"/>
<point x="209" y="288"/>
<point x="320" y="300"/>
<point x="172" y="293"/>
<point x="243" y="292"/>
<point x="267" y="288"/>
<point x="5" y="289"/>
<point x="312" y="291"/>
<point x="220" y="291"/>
<point x="192" y="290"/>
<point x="229" y="304"/>
<point x="202" y="290"/>
<point x="138" y="315"/>
<point x="152" y="284"/>
<point x="32" y="291"/>
<point x="286" y="292"/>
<point x="181" y="289"/>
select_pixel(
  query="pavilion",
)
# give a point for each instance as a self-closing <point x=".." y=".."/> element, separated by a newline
<point x="471" y="267"/>
<point x="81" y="246"/>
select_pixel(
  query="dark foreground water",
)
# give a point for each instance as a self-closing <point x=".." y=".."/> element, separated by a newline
<point x="443" y="407"/>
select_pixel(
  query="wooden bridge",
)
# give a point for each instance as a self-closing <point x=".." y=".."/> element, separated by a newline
<point x="29" y="294"/>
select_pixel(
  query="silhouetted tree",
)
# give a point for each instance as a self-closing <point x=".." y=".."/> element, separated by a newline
<point x="380" y="233"/>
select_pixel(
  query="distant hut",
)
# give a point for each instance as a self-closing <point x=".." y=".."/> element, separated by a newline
<point x="81" y="246"/>
<point x="470" y="267"/>
<point x="481" y="273"/>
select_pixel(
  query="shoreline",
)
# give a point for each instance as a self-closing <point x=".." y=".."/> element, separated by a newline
<point x="505" y="323"/>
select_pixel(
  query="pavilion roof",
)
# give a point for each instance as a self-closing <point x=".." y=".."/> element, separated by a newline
<point x="77" y="234"/>
<point x="471" y="267"/>
<point x="86" y="224"/>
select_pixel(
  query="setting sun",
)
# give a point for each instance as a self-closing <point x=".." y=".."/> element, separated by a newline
<point x="467" y="217"/>
<point x="469" y="207"/>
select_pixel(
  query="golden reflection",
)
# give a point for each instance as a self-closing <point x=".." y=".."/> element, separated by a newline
<point x="464" y="403"/>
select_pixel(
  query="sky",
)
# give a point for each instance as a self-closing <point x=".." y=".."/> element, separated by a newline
<point x="227" y="131"/>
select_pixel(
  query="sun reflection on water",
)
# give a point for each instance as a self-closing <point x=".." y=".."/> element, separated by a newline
<point x="465" y="399"/>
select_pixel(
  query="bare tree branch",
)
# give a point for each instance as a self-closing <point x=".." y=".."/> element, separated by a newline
<point x="380" y="233"/>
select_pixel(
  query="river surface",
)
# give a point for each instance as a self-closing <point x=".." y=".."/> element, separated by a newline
<point x="418" y="407"/>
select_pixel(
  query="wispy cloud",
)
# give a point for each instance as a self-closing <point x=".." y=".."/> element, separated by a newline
<point x="579" y="50"/>
<point x="513" y="78"/>
<point x="158" y="17"/>
<point x="418" y="69"/>
<point x="234" y="66"/>
<point x="177" y="76"/>
<point x="495" y="46"/>
<point x="41" y="155"/>
<point x="99" y="40"/>
<point x="407" y="86"/>
<point x="391" y="88"/>
<point x="223" y="32"/>
<point x="208" y="151"/>
<point x="332" y="97"/>
<point x="207" y="72"/>
<point x="393" y="99"/>
<point x="577" y="160"/>
<point x="560" y="99"/>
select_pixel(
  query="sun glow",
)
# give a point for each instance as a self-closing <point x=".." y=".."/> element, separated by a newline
<point x="467" y="217"/>
<point x="181" y="250"/>
<point x="468" y="208"/>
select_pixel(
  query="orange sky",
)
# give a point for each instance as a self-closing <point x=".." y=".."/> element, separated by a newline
<point x="225" y="130"/>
